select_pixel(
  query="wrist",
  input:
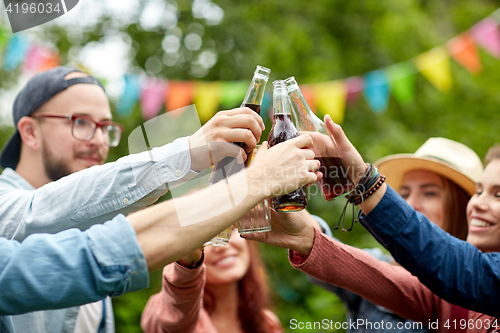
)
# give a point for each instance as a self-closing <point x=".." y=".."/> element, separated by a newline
<point x="194" y="260"/>
<point x="305" y="243"/>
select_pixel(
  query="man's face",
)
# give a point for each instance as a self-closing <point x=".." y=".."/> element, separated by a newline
<point x="62" y="154"/>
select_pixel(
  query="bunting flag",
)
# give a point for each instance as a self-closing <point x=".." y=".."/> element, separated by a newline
<point x="152" y="98"/>
<point x="16" y="51"/>
<point x="178" y="94"/>
<point x="34" y="59"/>
<point x="463" y="49"/>
<point x="267" y="107"/>
<point x="402" y="77"/>
<point x="129" y="96"/>
<point x="330" y="97"/>
<point x="486" y="34"/>
<point x="232" y="93"/>
<point x="206" y="99"/>
<point x="377" y="90"/>
<point x="4" y="38"/>
<point x="435" y="66"/>
<point x="354" y="89"/>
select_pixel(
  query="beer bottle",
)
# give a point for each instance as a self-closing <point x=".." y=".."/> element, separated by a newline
<point x="282" y="130"/>
<point x="253" y="100"/>
<point x="336" y="179"/>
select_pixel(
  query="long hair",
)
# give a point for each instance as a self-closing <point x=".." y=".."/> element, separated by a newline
<point x="253" y="293"/>
<point x="455" y="221"/>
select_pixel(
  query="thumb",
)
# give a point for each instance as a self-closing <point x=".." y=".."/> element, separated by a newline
<point x="263" y="148"/>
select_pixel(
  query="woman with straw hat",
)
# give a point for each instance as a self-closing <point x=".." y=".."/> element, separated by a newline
<point x="438" y="181"/>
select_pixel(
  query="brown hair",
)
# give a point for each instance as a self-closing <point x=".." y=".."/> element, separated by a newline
<point x="492" y="154"/>
<point x="253" y="294"/>
<point x="455" y="221"/>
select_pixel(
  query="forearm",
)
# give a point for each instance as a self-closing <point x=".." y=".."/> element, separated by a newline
<point x="377" y="281"/>
<point x="83" y="267"/>
<point x="453" y="269"/>
<point x="172" y="229"/>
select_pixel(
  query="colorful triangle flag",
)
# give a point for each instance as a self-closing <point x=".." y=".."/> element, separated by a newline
<point x="152" y="96"/>
<point x="232" y="93"/>
<point x="435" y="66"/>
<point x="16" y="51"/>
<point x="34" y="59"/>
<point x="402" y="81"/>
<point x="267" y="106"/>
<point x="463" y="49"/>
<point x="354" y="89"/>
<point x="50" y="60"/>
<point x="178" y="94"/>
<point x="129" y="96"/>
<point x="308" y="94"/>
<point x="377" y="90"/>
<point x="486" y="34"/>
<point x="206" y="99"/>
<point x="330" y="98"/>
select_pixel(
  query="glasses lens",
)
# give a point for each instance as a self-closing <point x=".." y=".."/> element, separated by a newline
<point x="114" y="135"/>
<point x="83" y="129"/>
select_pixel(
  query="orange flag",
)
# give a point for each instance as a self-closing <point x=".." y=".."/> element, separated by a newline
<point x="463" y="49"/>
<point x="178" y="94"/>
<point x="308" y="93"/>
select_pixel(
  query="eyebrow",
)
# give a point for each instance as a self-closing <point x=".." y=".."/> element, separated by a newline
<point x="421" y="186"/>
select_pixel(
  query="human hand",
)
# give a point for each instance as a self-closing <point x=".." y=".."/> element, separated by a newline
<point x="214" y="140"/>
<point x="292" y="231"/>
<point x="350" y="156"/>
<point x="191" y="259"/>
<point x="283" y="168"/>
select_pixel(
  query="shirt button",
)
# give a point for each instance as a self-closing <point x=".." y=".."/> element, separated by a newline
<point x="125" y="201"/>
<point x="178" y="173"/>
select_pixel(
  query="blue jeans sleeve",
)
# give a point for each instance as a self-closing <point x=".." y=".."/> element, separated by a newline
<point x="70" y="268"/>
<point x="453" y="269"/>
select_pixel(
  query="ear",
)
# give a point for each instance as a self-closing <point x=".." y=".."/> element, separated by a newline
<point x="30" y="132"/>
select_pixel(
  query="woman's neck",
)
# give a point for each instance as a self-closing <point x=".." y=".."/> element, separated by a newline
<point x="225" y="314"/>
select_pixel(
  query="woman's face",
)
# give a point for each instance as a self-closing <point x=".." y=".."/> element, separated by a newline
<point x="227" y="264"/>
<point x="483" y="211"/>
<point x="424" y="191"/>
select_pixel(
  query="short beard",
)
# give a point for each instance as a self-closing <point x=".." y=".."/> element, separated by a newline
<point x="54" y="170"/>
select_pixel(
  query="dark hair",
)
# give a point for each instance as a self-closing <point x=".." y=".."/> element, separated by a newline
<point x="253" y="296"/>
<point x="455" y="221"/>
<point x="492" y="154"/>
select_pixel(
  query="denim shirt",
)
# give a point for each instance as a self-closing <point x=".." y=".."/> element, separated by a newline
<point x="69" y="268"/>
<point x="361" y="309"/>
<point x="85" y="198"/>
<point x="453" y="269"/>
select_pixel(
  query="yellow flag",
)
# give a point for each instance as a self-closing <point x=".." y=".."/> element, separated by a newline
<point x="330" y="99"/>
<point x="435" y="66"/>
<point x="206" y="99"/>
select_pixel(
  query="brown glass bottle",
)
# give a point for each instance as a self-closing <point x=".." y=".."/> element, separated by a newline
<point x="282" y="130"/>
<point x="336" y="179"/>
<point x="253" y="100"/>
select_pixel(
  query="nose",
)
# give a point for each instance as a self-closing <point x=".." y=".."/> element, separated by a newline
<point x="413" y="201"/>
<point x="479" y="202"/>
<point x="99" y="138"/>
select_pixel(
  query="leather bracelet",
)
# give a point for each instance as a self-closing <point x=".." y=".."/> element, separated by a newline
<point x="371" y="191"/>
<point x="194" y="264"/>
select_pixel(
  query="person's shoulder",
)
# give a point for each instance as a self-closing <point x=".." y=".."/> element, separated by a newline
<point x="274" y="320"/>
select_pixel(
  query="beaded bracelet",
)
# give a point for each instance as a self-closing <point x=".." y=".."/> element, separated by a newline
<point x="371" y="181"/>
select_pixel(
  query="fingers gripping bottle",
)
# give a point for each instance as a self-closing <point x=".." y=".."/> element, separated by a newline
<point x="336" y="179"/>
<point x="282" y="130"/>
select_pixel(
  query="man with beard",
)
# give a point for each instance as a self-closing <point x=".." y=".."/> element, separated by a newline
<point x="54" y="177"/>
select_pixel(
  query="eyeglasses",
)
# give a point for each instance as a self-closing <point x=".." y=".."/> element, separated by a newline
<point x="83" y="128"/>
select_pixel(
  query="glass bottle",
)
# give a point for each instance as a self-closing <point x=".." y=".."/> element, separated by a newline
<point x="253" y="100"/>
<point x="336" y="179"/>
<point x="282" y="130"/>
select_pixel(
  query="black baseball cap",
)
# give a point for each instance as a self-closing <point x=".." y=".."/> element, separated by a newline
<point x="39" y="89"/>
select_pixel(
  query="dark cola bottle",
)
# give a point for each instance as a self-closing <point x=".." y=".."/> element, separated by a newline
<point x="282" y="130"/>
<point x="253" y="100"/>
<point x="336" y="179"/>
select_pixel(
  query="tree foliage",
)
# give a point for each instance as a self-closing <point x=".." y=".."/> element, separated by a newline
<point x="315" y="41"/>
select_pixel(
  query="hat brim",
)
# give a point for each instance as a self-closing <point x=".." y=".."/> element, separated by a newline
<point x="394" y="167"/>
<point x="11" y="152"/>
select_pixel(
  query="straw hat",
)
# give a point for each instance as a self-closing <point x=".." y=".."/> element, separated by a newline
<point x="448" y="158"/>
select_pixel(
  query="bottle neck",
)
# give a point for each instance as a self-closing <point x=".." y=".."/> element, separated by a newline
<point x="256" y="90"/>
<point x="304" y="118"/>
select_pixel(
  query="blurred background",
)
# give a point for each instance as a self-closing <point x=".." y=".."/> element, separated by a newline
<point x="392" y="72"/>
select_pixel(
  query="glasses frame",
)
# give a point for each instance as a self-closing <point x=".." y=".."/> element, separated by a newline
<point x="73" y="117"/>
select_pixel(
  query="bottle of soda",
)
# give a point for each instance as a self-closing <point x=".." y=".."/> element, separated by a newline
<point x="336" y="179"/>
<point x="282" y="130"/>
<point x="253" y="100"/>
